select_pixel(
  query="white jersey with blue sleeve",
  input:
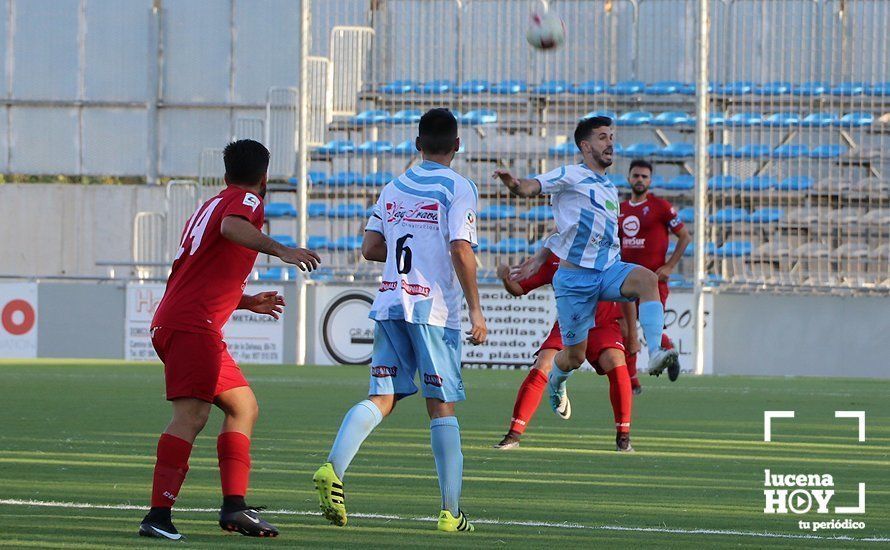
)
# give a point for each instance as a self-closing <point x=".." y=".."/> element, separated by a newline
<point x="585" y="207"/>
<point x="419" y="214"/>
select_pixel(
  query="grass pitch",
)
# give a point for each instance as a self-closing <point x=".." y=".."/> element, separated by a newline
<point x="85" y="432"/>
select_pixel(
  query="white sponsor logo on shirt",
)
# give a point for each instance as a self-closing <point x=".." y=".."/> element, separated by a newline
<point x="251" y="200"/>
<point x="631" y="226"/>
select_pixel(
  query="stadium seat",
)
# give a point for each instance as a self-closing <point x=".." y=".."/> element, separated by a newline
<point x="370" y="148"/>
<point x="538" y="214"/>
<point x="376" y="179"/>
<point x="856" y="120"/>
<point x="349" y="243"/>
<point x="819" y="120"/>
<point x="551" y="87"/>
<point x="537" y="245"/>
<point x="497" y="212"/>
<point x="716" y="120"/>
<point x="877" y="216"/>
<point x="278" y="274"/>
<point x="634" y="118"/>
<point x="336" y="147"/>
<point x="317" y="242"/>
<point x="677" y="151"/>
<point x="773" y="88"/>
<point x="347" y="210"/>
<point x="591" y="87"/>
<point x="626" y="87"/>
<point x="729" y="215"/>
<point x="372" y="116"/>
<point x="509" y="87"/>
<point x="673" y="118"/>
<point x="683" y="182"/>
<point x="810" y="89"/>
<point x="280" y="210"/>
<point x="790" y="151"/>
<point x="848" y="89"/>
<point x="795" y="183"/>
<point x="406" y="116"/>
<point x="397" y="87"/>
<point x="481" y="116"/>
<point x="436" y="87"/>
<point x="687" y="215"/>
<point x="316" y="177"/>
<point x="740" y="87"/>
<point x="669" y="87"/>
<point x="781" y="120"/>
<point x="744" y="120"/>
<point x="619" y="180"/>
<point x="766" y="215"/>
<point x="827" y="151"/>
<point x="880" y="90"/>
<point x="286" y="240"/>
<point x="483" y="244"/>
<point x="472" y="87"/>
<point x="317" y="210"/>
<point x="345" y="179"/>
<point x="644" y="149"/>
<point x="752" y="151"/>
<point x="735" y="249"/>
<point x="609" y="114"/>
<point x="757" y="183"/>
<point x="567" y="148"/>
<point x="510" y="245"/>
<point x="405" y="149"/>
<point x="720" y="150"/>
<point x="720" y="183"/>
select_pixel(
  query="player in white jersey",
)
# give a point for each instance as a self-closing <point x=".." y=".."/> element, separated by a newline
<point x="424" y="229"/>
<point x="585" y="206"/>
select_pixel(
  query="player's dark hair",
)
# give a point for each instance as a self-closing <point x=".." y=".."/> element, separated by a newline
<point x="246" y="161"/>
<point x="640" y="163"/>
<point x="437" y="131"/>
<point x="587" y="125"/>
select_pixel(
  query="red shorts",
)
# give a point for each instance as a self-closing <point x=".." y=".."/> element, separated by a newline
<point x="195" y="364"/>
<point x="599" y="339"/>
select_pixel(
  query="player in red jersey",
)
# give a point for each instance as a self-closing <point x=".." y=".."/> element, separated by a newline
<point x="605" y="352"/>
<point x="216" y="255"/>
<point x="643" y="225"/>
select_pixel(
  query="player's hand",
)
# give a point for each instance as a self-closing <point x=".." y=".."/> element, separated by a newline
<point x="507" y="179"/>
<point x="526" y="269"/>
<point x="478" y="331"/>
<point x="267" y="303"/>
<point x="306" y="260"/>
<point x="503" y="272"/>
<point x="633" y="345"/>
<point x="664" y="273"/>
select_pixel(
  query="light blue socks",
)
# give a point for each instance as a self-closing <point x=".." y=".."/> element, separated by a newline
<point x="558" y="377"/>
<point x="652" y="321"/>
<point x="357" y="425"/>
<point x="445" y="440"/>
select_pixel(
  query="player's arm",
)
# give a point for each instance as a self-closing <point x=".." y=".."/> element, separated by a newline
<point x="683" y="240"/>
<point x="374" y="246"/>
<point x="464" y="261"/>
<point x="510" y="285"/>
<point x="267" y="303"/>
<point x="521" y="187"/>
<point x="240" y="231"/>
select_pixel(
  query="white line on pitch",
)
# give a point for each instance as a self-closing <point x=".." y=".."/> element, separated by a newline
<point x="547" y="524"/>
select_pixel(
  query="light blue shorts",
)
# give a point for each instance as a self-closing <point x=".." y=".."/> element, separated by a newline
<point x="577" y="292"/>
<point x="403" y="349"/>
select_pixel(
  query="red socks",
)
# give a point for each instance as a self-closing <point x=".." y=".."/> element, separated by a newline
<point x="632" y="370"/>
<point x="528" y="399"/>
<point x="233" y="449"/>
<point x="170" y="469"/>
<point x="621" y="396"/>
<point x="666" y="342"/>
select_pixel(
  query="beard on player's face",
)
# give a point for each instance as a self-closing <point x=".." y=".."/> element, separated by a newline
<point x="640" y="187"/>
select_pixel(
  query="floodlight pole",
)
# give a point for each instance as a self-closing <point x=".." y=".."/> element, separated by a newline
<point x="701" y="178"/>
<point x="302" y="177"/>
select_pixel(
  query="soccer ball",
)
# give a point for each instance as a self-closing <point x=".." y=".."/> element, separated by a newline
<point x="546" y="31"/>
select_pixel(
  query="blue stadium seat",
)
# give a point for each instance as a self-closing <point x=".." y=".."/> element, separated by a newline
<point x="511" y="245"/>
<point x="810" y="89"/>
<point x="673" y="118"/>
<point x="371" y="116"/>
<point x="480" y="116"/>
<point x="790" y="151"/>
<point x="773" y="88"/>
<point x="567" y="148"/>
<point x="618" y="149"/>
<point x="745" y="119"/>
<point x="472" y="87"/>
<point x="552" y="87"/>
<point x="509" y="87"/>
<point x="752" y="151"/>
<point x="634" y="118"/>
<point x="644" y="149"/>
<point x="683" y="182"/>
<point x="687" y="215"/>
<point x="781" y="120"/>
<point x="669" y="87"/>
<point x="856" y="120"/>
<point x="278" y="274"/>
<point x="370" y="148"/>
<point x="757" y="183"/>
<point x="538" y="214"/>
<point x="376" y="179"/>
<point x="729" y="215"/>
<point x="345" y="179"/>
<point x="848" y="89"/>
<point x="735" y="249"/>
<point x="349" y="243"/>
<point x="739" y="87"/>
<point x="720" y="150"/>
<point x="657" y="182"/>
<point x="619" y="180"/>
<point x="537" y="245"/>
<point x="626" y="87"/>
<point x="405" y="149"/>
<point x="397" y="87"/>
<point x="347" y="210"/>
<point x="720" y="183"/>
<point x="317" y="210"/>
<point x="316" y="177"/>
<point x="819" y="120"/>
<point x="591" y="87"/>
<point x="795" y="183"/>
<point x="766" y="215"/>
<point x="336" y="147"/>
<point x="609" y="114"/>
<point x="406" y="116"/>
<point x="716" y="120"/>
<point x="286" y="240"/>
<point x="497" y="212"/>
<point x="880" y="90"/>
<point x="280" y="210"/>
<point x="483" y="244"/>
<point x="677" y="151"/>
<point x="827" y="151"/>
<point x="436" y="87"/>
<point x="317" y="242"/>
